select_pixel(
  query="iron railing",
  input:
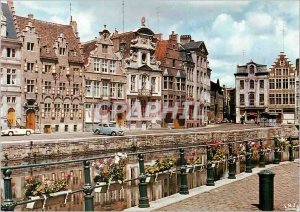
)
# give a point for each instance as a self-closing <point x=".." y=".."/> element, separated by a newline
<point x="9" y="204"/>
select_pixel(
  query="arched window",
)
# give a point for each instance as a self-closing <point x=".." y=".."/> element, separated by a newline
<point x="251" y="68"/>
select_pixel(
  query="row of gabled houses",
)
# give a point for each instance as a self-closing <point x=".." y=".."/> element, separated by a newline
<point x="272" y="93"/>
<point x="53" y="82"/>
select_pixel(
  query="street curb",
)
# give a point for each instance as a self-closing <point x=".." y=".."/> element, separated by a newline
<point x="163" y="202"/>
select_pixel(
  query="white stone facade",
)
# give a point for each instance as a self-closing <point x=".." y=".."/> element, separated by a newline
<point x="252" y="88"/>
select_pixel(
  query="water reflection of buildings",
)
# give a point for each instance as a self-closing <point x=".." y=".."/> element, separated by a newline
<point x="116" y="198"/>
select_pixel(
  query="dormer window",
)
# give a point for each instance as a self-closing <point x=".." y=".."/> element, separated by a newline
<point x="282" y="62"/>
<point x="104" y="48"/>
<point x="251" y="69"/>
<point x="173" y="62"/>
<point x="144" y="57"/>
<point x="30" y="46"/>
<point x="62" y="51"/>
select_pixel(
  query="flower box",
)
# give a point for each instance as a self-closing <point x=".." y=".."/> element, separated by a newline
<point x="193" y="168"/>
<point x="61" y="197"/>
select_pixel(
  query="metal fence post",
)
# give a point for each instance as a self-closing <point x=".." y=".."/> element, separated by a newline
<point x="276" y="152"/>
<point x="183" y="179"/>
<point x="143" y="200"/>
<point x="88" y="188"/>
<point x="261" y="154"/>
<point x="231" y="174"/>
<point x="291" y="149"/>
<point x="210" y="170"/>
<point x="248" y="158"/>
<point x="8" y="203"/>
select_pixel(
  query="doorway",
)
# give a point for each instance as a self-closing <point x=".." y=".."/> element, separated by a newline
<point x="11" y="117"/>
<point x="30" y="119"/>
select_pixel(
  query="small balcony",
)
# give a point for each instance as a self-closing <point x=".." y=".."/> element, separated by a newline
<point x="145" y="92"/>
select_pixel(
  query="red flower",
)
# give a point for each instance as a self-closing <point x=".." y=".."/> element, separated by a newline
<point x="193" y="153"/>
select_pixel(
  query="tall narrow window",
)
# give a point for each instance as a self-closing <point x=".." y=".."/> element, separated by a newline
<point x="30" y="46"/>
<point x="292" y="98"/>
<point x="96" y="89"/>
<point x="272" y="99"/>
<point x="97" y="63"/>
<point x="104" y="66"/>
<point x="242" y="99"/>
<point x="88" y="88"/>
<point x="165" y="82"/>
<point x="11" y="76"/>
<point x="30" y="86"/>
<point x="113" y="90"/>
<point x="292" y="83"/>
<point x="174" y="62"/>
<point x="132" y="81"/>
<point x="47" y="86"/>
<point x="144" y="80"/>
<point x="285" y="83"/>
<point x="251" y="99"/>
<point x="278" y="98"/>
<point x="30" y="66"/>
<point x="261" y="99"/>
<point x="278" y="83"/>
<point x="62" y="51"/>
<point x="242" y="84"/>
<point x="112" y="67"/>
<point x="105" y="89"/>
<point x="120" y="91"/>
<point x="47" y="109"/>
<point x="272" y="84"/>
<point x="285" y="98"/>
<point x="251" y="69"/>
<point x="251" y="84"/>
<point x="153" y="84"/>
<point x="47" y="68"/>
<point x="10" y="52"/>
<point x="261" y="84"/>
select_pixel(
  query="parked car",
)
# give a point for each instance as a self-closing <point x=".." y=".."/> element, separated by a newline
<point x="225" y="120"/>
<point x="108" y="129"/>
<point x="17" y="131"/>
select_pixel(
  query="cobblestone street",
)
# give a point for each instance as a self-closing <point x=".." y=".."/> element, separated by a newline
<point x="243" y="195"/>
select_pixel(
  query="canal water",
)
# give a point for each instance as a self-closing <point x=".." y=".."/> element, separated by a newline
<point x="117" y="197"/>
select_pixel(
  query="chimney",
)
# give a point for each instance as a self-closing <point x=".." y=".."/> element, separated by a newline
<point x="10" y="4"/>
<point x="173" y="36"/>
<point x="184" y="39"/>
<point x="158" y="36"/>
<point x="30" y="16"/>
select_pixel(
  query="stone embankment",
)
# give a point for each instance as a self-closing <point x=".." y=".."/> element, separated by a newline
<point x="83" y="147"/>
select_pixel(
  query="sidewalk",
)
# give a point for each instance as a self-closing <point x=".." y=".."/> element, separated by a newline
<point x="236" y="195"/>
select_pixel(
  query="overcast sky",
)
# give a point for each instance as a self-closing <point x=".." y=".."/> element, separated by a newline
<point x="227" y="27"/>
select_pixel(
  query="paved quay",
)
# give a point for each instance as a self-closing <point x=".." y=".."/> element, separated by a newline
<point x="241" y="194"/>
<point x="79" y="135"/>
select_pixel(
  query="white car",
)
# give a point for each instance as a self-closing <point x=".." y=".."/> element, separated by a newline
<point x="17" y="131"/>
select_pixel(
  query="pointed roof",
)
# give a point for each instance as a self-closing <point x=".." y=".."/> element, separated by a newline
<point x="161" y="50"/>
<point x="49" y="33"/>
<point x="87" y="48"/>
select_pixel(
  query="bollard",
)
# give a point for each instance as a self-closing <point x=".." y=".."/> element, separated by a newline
<point x="276" y="152"/>
<point x="266" y="190"/>
<point x="291" y="150"/>
<point x="248" y="158"/>
<point x="8" y="203"/>
<point x="183" y="178"/>
<point x="143" y="200"/>
<point x="210" y="170"/>
<point x="87" y="188"/>
<point x="231" y="174"/>
<point x="261" y="154"/>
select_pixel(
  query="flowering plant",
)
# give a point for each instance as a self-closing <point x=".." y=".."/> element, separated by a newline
<point x="160" y="165"/>
<point x="193" y="160"/>
<point x="109" y="169"/>
<point x="33" y="187"/>
<point x="282" y="144"/>
<point x="218" y="151"/>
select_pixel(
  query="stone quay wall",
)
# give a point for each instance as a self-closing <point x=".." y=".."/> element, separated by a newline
<point x="87" y="147"/>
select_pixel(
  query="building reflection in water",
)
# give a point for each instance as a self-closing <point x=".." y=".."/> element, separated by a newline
<point x="117" y="197"/>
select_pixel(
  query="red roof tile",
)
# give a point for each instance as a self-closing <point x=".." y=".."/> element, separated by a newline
<point x="87" y="48"/>
<point x="161" y="50"/>
<point x="49" y="33"/>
